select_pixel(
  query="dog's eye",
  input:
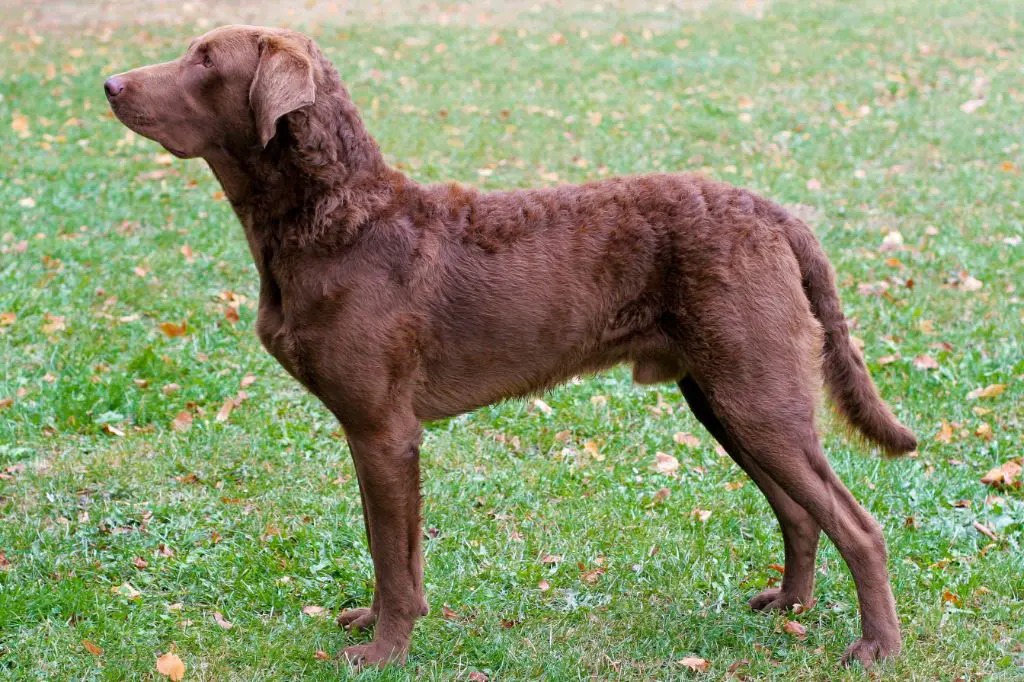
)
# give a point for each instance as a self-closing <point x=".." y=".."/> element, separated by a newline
<point x="207" y="62"/>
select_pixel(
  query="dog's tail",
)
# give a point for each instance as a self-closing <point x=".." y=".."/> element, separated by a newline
<point x="846" y="377"/>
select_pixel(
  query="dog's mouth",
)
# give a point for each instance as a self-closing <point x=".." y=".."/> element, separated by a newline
<point x="145" y="125"/>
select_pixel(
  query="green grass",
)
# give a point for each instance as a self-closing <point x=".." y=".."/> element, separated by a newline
<point x="261" y="511"/>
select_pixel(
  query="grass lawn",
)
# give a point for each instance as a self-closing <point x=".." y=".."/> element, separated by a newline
<point x="134" y="506"/>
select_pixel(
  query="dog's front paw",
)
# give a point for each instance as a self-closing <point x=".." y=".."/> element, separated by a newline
<point x="375" y="653"/>
<point x="357" y="619"/>
<point x="775" y="599"/>
<point x="867" y="651"/>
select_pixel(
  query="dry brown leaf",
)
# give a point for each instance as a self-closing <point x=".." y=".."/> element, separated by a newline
<point x="888" y="359"/>
<point x="172" y="329"/>
<point x="542" y="406"/>
<point x="665" y="463"/>
<point x="950" y="598"/>
<point x="7" y="319"/>
<point x="448" y="614"/>
<point x="984" y="431"/>
<point x="986" y="531"/>
<point x="92" y="648"/>
<point x="695" y="663"/>
<point x="186" y="251"/>
<point x="170" y="666"/>
<point x="701" y="515"/>
<point x="477" y="676"/>
<point x="4" y="562"/>
<point x="225" y="410"/>
<point x="314" y="610"/>
<point x="925" y="362"/>
<point x="222" y="621"/>
<point x="990" y="391"/>
<point x="687" y="439"/>
<point x="593" y="575"/>
<point x="248" y="380"/>
<point x="113" y="430"/>
<point x="795" y="628"/>
<point x="322" y="655"/>
<point x="945" y="434"/>
<point x="231" y="315"/>
<point x="6" y="402"/>
<point x="734" y="485"/>
<point x="543" y="586"/>
<point x="551" y="558"/>
<point x="1004" y="475"/>
<point x="620" y="39"/>
<point x="661" y="495"/>
<point x="182" y="422"/>
<point x="170" y="388"/>
<point x="140" y="563"/>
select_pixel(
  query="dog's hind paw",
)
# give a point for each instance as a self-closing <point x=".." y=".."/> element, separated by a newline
<point x="375" y="653"/>
<point x="867" y="651"/>
<point x="774" y="599"/>
<point x="357" y="619"/>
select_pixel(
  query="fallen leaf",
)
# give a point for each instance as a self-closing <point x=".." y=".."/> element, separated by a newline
<point x="6" y="402"/>
<point x="126" y="590"/>
<point x="113" y="430"/>
<point x="186" y="251"/>
<point x="687" y="439"/>
<point x="182" y="422"/>
<point x="140" y="563"/>
<point x="701" y="515"/>
<point x="971" y="105"/>
<point x="734" y="485"/>
<point x="620" y="39"/>
<point x="990" y="391"/>
<point x="231" y="315"/>
<point x="542" y="406"/>
<point x="1003" y="476"/>
<point x="477" y="676"/>
<point x="986" y="531"/>
<point x="969" y="283"/>
<point x="4" y="562"/>
<point x="795" y="628"/>
<point x="53" y="324"/>
<point x="592" y="576"/>
<point x="27" y="202"/>
<point x="92" y="648"/>
<point x="661" y="495"/>
<point x="813" y="185"/>
<point x="172" y="329"/>
<point x="314" y="610"/>
<point x="695" y="663"/>
<point x="170" y="666"/>
<point x="248" y="380"/>
<point x="170" y="388"/>
<point x="945" y="434"/>
<point x="665" y="463"/>
<point x="322" y="655"/>
<point x="925" y="362"/>
<point x="551" y="559"/>
<point x="888" y="359"/>
<point x="950" y="598"/>
<point x="7" y="319"/>
<point x="984" y="431"/>
<point x="176" y="606"/>
<point x="543" y="586"/>
<point x="222" y="621"/>
<point x="225" y="410"/>
<point x="164" y="551"/>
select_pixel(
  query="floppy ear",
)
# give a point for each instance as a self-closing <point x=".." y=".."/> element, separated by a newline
<point x="283" y="83"/>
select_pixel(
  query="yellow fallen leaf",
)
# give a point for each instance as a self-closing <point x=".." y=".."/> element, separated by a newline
<point x="1003" y="476"/>
<point x="695" y="663"/>
<point x="170" y="666"/>
<point x="172" y="329"/>
<point x="990" y="391"/>
<point x="92" y="648"/>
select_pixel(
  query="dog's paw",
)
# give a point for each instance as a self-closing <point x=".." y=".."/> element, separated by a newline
<point x="774" y="599"/>
<point x="374" y="654"/>
<point x="867" y="651"/>
<point x="357" y="619"/>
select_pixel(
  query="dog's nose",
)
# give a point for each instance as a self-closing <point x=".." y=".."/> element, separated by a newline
<point x="114" y="86"/>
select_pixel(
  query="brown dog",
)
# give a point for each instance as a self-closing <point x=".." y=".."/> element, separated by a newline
<point x="397" y="303"/>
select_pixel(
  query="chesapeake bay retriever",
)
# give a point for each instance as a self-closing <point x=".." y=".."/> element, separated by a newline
<point x="397" y="303"/>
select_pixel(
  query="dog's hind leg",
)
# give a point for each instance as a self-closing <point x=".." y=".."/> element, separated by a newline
<point x="800" y="533"/>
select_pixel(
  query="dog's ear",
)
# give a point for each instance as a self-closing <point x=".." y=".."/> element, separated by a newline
<point x="283" y="83"/>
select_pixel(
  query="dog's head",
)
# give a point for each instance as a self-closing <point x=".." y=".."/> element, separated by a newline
<point x="229" y="90"/>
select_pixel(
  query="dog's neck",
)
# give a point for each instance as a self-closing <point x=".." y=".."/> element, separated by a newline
<point x="318" y="181"/>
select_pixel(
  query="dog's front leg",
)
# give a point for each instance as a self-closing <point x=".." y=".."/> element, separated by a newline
<point x="387" y="462"/>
